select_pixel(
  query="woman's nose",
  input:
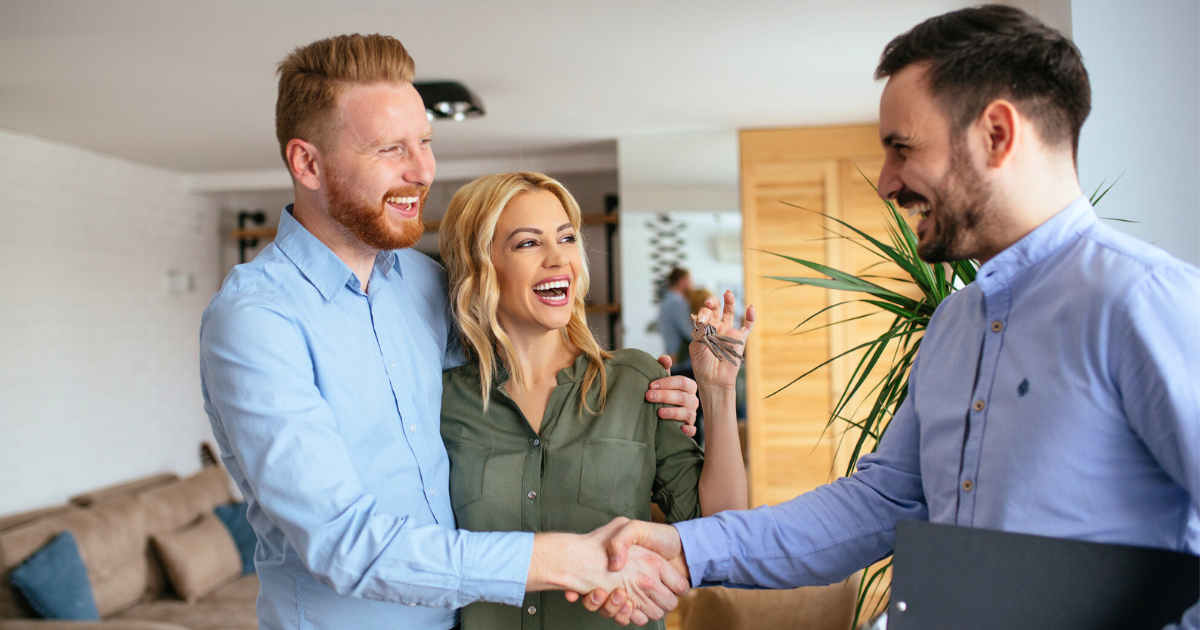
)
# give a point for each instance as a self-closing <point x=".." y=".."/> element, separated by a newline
<point x="555" y="256"/>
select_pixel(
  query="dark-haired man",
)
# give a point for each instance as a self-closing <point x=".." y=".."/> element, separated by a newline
<point x="1057" y="394"/>
<point x="675" y="317"/>
<point x="321" y="367"/>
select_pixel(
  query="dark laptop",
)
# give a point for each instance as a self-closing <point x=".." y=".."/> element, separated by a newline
<point x="952" y="577"/>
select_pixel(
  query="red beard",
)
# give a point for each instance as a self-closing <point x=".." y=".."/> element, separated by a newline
<point x="369" y="221"/>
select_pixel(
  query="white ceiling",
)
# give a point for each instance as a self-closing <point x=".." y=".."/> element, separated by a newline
<point x="190" y="86"/>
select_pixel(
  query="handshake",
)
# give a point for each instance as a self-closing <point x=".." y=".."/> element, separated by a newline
<point x="629" y="571"/>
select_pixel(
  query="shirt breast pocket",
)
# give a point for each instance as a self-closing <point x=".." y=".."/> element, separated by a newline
<point x="467" y="463"/>
<point x="611" y="475"/>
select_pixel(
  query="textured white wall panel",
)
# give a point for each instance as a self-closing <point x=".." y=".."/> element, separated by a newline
<point x="99" y="381"/>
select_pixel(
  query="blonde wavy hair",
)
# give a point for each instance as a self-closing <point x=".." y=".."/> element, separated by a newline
<point x="465" y="241"/>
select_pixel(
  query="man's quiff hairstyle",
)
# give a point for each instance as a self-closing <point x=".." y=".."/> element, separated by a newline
<point x="311" y="78"/>
<point x="990" y="52"/>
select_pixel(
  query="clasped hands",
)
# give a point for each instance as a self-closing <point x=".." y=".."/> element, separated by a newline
<point x="646" y="573"/>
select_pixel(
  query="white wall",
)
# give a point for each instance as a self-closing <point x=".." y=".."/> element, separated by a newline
<point x="1143" y="59"/>
<point x="99" y="381"/>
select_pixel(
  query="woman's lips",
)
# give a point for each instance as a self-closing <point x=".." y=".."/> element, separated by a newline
<point x="554" y="291"/>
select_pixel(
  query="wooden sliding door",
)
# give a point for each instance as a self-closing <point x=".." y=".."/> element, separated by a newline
<point x="790" y="178"/>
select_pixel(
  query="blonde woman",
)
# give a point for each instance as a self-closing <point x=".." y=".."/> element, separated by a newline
<point x="546" y="431"/>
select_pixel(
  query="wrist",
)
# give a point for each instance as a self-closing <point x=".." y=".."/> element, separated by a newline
<point x="715" y="396"/>
<point x="560" y="560"/>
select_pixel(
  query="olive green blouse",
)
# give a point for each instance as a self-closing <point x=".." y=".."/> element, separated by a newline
<point x="576" y="475"/>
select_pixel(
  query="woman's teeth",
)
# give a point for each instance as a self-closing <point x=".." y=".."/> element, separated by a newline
<point x="918" y="208"/>
<point x="553" y="290"/>
<point x="557" y="284"/>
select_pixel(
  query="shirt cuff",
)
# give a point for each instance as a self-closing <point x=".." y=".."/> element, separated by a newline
<point x="706" y="549"/>
<point x="496" y="567"/>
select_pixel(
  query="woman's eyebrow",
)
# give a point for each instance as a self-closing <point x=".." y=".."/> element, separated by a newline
<point x="531" y="230"/>
<point x="563" y="227"/>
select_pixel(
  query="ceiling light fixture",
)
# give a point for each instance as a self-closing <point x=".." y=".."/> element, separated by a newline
<point x="449" y="99"/>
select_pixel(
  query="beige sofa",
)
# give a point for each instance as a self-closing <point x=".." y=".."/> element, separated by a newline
<point x="113" y="529"/>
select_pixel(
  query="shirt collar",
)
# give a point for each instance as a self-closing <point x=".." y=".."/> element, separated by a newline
<point x="317" y="262"/>
<point x="1047" y="238"/>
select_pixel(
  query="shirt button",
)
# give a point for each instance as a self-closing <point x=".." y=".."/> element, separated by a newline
<point x="536" y="441"/>
<point x="412" y="428"/>
<point x="433" y="492"/>
<point x="392" y="365"/>
<point x="997" y="326"/>
<point x="978" y="406"/>
<point x="531" y="610"/>
<point x="967" y="485"/>
<point x="532" y="494"/>
<point x="412" y="605"/>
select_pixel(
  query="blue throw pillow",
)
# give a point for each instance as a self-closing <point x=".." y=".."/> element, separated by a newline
<point x="55" y="582"/>
<point x="234" y="517"/>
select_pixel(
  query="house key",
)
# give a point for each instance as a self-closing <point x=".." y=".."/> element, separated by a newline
<point x="721" y="346"/>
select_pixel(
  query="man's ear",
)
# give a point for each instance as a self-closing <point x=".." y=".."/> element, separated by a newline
<point x="999" y="123"/>
<point x="304" y="161"/>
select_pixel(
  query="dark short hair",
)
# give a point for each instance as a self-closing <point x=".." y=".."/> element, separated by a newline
<point x="677" y="274"/>
<point x="984" y="53"/>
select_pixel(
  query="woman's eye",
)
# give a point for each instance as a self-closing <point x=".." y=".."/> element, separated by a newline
<point x="526" y="243"/>
<point x="570" y="238"/>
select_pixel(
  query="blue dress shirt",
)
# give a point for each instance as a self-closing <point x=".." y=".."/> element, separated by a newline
<point x="1056" y="395"/>
<point x="675" y="326"/>
<point x="325" y="403"/>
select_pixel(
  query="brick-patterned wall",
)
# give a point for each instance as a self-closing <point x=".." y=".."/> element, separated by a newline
<point x="99" y="376"/>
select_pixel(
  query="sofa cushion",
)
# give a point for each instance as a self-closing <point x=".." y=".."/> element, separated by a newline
<point x="55" y="582"/>
<point x="12" y="605"/>
<point x="171" y="506"/>
<point x="122" y="489"/>
<point x="111" y="537"/>
<point x="234" y="518"/>
<point x="199" y="557"/>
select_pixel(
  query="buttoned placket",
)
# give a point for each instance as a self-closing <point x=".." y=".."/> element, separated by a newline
<point x="996" y="304"/>
<point x="534" y="474"/>
<point x="398" y="379"/>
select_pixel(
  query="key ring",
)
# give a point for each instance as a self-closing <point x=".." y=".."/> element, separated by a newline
<point x="721" y="346"/>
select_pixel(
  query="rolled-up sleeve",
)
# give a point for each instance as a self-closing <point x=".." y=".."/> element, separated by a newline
<point x="267" y="410"/>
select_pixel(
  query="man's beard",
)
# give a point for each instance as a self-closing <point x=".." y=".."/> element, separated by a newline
<point x="965" y="207"/>
<point x="368" y="220"/>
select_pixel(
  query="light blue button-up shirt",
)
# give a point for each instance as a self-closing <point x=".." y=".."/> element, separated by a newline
<point x="1056" y="395"/>
<point x="325" y="403"/>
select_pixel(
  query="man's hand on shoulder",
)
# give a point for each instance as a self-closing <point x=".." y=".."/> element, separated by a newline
<point x="679" y="394"/>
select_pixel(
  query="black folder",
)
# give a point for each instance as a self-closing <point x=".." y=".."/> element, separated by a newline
<point x="949" y="577"/>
